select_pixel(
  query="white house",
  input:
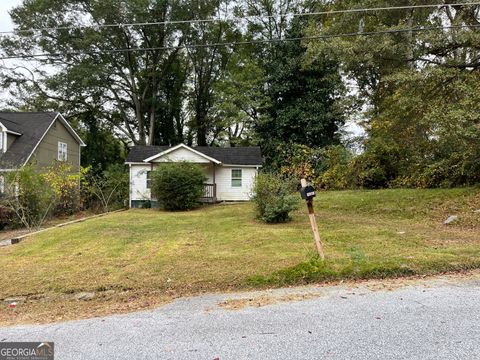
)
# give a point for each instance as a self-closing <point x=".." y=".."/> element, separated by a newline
<point x="230" y="171"/>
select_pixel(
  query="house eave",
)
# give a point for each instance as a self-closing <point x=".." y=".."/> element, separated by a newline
<point x="168" y="151"/>
<point x="241" y="165"/>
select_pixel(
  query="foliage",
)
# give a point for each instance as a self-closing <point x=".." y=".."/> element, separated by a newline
<point x="178" y="186"/>
<point x="158" y="97"/>
<point x="418" y="90"/>
<point x="335" y="168"/>
<point x="30" y="197"/>
<point x="65" y="183"/>
<point x="240" y="100"/>
<point x="295" y="161"/>
<point x="327" y="168"/>
<point x="303" y="107"/>
<point x="273" y="197"/>
<point x="109" y="188"/>
<point x="103" y="147"/>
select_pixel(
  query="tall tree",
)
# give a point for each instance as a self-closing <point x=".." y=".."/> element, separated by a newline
<point x="92" y="67"/>
<point x="423" y="117"/>
<point x="208" y="61"/>
<point x="304" y="107"/>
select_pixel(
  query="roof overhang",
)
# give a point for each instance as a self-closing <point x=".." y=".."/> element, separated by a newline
<point x="240" y="165"/>
<point x="172" y="149"/>
<point x="13" y="132"/>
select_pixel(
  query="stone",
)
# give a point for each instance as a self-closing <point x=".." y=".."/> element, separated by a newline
<point x="451" y="219"/>
<point x="477" y="211"/>
<point x="84" y="296"/>
<point x="16" y="299"/>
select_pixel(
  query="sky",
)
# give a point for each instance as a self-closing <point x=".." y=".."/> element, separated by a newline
<point x="5" y="6"/>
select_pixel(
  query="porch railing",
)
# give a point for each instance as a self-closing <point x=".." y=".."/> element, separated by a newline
<point x="209" y="192"/>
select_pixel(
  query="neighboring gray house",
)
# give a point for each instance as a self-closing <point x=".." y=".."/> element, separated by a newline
<point x="38" y="138"/>
<point x="230" y="171"/>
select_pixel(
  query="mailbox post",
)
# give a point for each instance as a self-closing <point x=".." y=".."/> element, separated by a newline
<point x="308" y="193"/>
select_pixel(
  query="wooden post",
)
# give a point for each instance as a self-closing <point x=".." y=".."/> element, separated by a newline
<point x="313" y="223"/>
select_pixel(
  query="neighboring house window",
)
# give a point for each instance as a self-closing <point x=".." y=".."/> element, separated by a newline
<point x="62" y="151"/>
<point x="236" y="178"/>
<point x="1" y="141"/>
<point x="149" y="179"/>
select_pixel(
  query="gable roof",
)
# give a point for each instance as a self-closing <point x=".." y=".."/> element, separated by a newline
<point x="172" y="149"/>
<point x="247" y="155"/>
<point x="32" y="127"/>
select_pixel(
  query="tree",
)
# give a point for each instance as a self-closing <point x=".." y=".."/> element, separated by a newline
<point x="304" y="100"/>
<point x="239" y="100"/>
<point x="420" y="89"/>
<point x="103" y="148"/>
<point x="91" y="71"/>
<point x="207" y="62"/>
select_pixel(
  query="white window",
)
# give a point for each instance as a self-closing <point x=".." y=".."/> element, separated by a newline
<point x="236" y="177"/>
<point x="2" y="142"/>
<point x="149" y="179"/>
<point x="62" y="151"/>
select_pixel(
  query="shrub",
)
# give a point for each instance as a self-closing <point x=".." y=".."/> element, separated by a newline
<point x="29" y="196"/>
<point x="65" y="182"/>
<point x="178" y="186"/>
<point x="107" y="189"/>
<point x="335" y="170"/>
<point x="273" y="197"/>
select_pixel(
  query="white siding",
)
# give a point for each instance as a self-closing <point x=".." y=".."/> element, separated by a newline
<point x="138" y="182"/>
<point x="208" y="171"/>
<point x="182" y="154"/>
<point x="225" y="190"/>
<point x="223" y="179"/>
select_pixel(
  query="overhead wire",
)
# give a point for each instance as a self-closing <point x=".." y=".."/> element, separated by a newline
<point x="234" y="43"/>
<point x="235" y="19"/>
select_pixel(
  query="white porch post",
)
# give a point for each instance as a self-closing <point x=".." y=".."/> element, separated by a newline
<point x="214" y="183"/>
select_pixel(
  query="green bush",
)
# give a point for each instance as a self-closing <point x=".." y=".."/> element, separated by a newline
<point x="178" y="186"/>
<point x="273" y="197"/>
<point x="107" y="189"/>
<point x="335" y="168"/>
<point x="30" y="197"/>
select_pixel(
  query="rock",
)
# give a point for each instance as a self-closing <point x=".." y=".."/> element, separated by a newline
<point x="17" y="299"/>
<point x="451" y="219"/>
<point x="84" y="296"/>
<point x="477" y="211"/>
<point x="401" y="232"/>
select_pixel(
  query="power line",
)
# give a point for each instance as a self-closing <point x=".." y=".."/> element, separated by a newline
<point x="246" y="42"/>
<point x="235" y="19"/>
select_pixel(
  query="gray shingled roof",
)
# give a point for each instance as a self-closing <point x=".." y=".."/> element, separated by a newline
<point x="250" y="155"/>
<point x="32" y="126"/>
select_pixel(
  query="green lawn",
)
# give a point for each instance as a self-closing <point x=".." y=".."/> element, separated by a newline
<point x="139" y="258"/>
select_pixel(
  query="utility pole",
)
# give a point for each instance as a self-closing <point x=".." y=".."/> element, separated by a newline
<point x="308" y="193"/>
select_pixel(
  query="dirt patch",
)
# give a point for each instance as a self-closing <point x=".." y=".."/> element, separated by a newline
<point x="46" y="308"/>
<point x="264" y="300"/>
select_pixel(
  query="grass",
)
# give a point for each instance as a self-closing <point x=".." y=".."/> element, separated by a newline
<point x="140" y="258"/>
